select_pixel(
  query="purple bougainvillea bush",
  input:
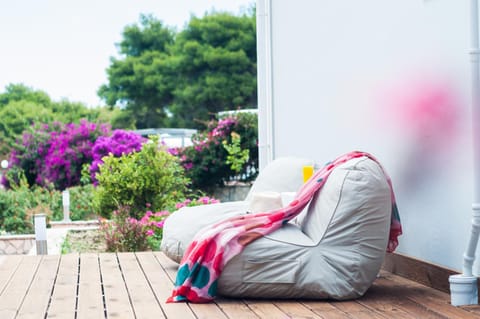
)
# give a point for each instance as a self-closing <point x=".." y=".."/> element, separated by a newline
<point x="119" y="143"/>
<point x="53" y="154"/>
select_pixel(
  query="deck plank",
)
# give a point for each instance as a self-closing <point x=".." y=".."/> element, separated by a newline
<point x="265" y="309"/>
<point x="235" y="308"/>
<point x="162" y="286"/>
<point x="14" y="293"/>
<point x="295" y="309"/>
<point x="387" y="291"/>
<point x="90" y="297"/>
<point x="382" y="301"/>
<point x="7" y="269"/>
<point x="38" y="296"/>
<point x="356" y="310"/>
<point x="144" y="302"/>
<point x="435" y="300"/>
<point x="326" y="310"/>
<point x="64" y="296"/>
<point x="117" y="301"/>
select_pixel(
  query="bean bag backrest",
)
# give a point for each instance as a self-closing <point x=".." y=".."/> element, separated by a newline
<point x="281" y="175"/>
<point x="355" y="195"/>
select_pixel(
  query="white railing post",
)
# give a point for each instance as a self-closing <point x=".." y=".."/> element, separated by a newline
<point x="66" y="205"/>
<point x="40" y="221"/>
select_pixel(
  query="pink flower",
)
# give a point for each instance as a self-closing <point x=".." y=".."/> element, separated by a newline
<point x="173" y="151"/>
<point x="132" y="220"/>
<point x="150" y="232"/>
<point x="162" y="213"/>
<point x="179" y="205"/>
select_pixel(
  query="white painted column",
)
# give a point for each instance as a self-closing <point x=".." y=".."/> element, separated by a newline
<point x="265" y="83"/>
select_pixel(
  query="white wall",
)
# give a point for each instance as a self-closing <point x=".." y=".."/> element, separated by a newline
<point x="388" y="77"/>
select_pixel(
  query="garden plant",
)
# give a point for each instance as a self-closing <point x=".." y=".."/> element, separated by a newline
<point x="133" y="182"/>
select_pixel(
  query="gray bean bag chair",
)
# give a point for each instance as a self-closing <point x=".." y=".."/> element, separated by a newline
<point x="334" y="249"/>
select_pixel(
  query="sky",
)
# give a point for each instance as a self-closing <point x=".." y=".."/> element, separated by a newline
<point x="63" y="47"/>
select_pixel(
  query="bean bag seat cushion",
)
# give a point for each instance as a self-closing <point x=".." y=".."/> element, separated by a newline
<point x="333" y="250"/>
<point x="281" y="175"/>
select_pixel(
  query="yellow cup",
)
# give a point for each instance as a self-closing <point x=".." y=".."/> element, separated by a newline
<point x="307" y="172"/>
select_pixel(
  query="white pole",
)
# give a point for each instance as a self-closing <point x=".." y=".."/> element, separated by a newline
<point x="66" y="205"/>
<point x="463" y="288"/>
<point x="265" y="84"/>
<point x="40" y="221"/>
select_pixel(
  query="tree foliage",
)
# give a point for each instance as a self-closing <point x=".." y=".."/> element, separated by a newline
<point x="216" y="65"/>
<point x="164" y="78"/>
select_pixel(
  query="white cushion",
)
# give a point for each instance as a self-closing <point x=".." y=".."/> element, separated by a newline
<point x="281" y="175"/>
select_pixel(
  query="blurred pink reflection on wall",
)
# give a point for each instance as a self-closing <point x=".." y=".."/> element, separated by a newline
<point x="426" y="116"/>
<point x="429" y="112"/>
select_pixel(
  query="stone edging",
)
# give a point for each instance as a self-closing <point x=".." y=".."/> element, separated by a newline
<point x="16" y="244"/>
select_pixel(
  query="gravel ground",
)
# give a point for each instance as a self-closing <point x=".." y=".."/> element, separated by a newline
<point x="84" y="241"/>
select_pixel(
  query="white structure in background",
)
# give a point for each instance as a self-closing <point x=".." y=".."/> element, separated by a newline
<point x="172" y="137"/>
<point x="223" y="114"/>
<point x="388" y="77"/>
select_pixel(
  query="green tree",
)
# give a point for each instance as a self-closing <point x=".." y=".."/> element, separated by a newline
<point x="18" y="115"/>
<point x="19" y="92"/>
<point x="71" y="112"/>
<point x="140" y="82"/>
<point x="216" y="67"/>
<point x="179" y="79"/>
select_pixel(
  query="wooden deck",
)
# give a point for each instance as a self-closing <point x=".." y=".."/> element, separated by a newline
<point x="128" y="285"/>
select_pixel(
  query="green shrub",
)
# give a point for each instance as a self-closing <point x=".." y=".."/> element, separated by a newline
<point x="149" y="177"/>
<point x="81" y="203"/>
<point x="124" y="233"/>
<point x="19" y="204"/>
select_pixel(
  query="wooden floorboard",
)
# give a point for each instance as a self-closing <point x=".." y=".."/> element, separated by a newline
<point x="90" y="302"/>
<point x="137" y="285"/>
<point x="64" y="295"/>
<point x="144" y="302"/>
<point x="13" y="295"/>
<point x="7" y="268"/>
<point x="117" y="300"/>
<point x="38" y="295"/>
<point x="162" y="286"/>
